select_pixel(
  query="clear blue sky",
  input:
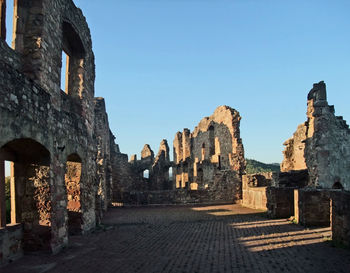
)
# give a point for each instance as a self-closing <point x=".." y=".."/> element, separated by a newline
<point x="162" y="65"/>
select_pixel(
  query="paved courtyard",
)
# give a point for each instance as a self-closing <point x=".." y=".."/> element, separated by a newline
<point x="222" y="238"/>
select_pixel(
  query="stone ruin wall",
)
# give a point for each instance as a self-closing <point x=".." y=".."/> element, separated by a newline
<point x="315" y="180"/>
<point x="204" y="158"/>
<point x="65" y="158"/>
<point x="327" y="150"/>
<point x="129" y="175"/>
<point x="207" y="166"/>
<point x="45" y="131"/>
<point x="321" y="144"/>
<point x="293" y="154"/>
<point x="254" y="189"/>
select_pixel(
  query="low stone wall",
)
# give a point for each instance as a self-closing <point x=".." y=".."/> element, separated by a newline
<point x="255" y="198"/>
<point x="340" y="217"/>
<point x="167" y="197"/>
<point x="254" y="190"/>
<point x="10" y="243"/>
<point x="312" y="207"/>
<point x="280" y="202"/>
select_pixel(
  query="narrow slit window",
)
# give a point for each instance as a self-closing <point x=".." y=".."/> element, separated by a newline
<point x="171" y="174"/>
<point x="65" y="72"/>
<point x="8" y="190"/>
<point x="6" y="20"/>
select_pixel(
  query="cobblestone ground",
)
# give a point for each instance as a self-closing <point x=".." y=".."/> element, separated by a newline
<point x="224" y="238"/>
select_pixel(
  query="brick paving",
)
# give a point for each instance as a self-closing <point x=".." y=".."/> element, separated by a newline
<point x="222" y="238"/>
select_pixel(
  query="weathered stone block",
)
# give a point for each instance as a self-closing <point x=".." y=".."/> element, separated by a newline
<point x="312" y="207"/>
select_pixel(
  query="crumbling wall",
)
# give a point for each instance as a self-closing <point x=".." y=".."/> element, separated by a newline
<point x="202" y="157"/>
<point x="39" y="120"/>
<point x="210" y="160"/>
<point x="294" y="150"/>
<point x="321" y="144"/>
<point x="254" y="188"/>
<point x="327" y="151"/>
<point x="103" y="157"/>
<point x="160" y="168"/>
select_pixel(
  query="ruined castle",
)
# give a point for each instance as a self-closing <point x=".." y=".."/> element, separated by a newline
<point x="66" y="168"/>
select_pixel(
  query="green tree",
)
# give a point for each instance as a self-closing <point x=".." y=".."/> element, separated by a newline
<point x="254" y="166"/>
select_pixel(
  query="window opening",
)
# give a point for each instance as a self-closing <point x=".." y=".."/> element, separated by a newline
<point x="72" y="69"/>
<point x="171" y="174"/>
<point x="6" y="20"/>
<point x="9" y="195"/>
<point x="64" y="72"/>
<point x="146" y="174"/>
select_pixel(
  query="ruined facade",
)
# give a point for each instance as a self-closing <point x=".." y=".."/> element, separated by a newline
<point x="50" y="134"/>
<point x="149" y="173"/>
<point x="66" y="168"/>
<point x="207" y="166"/>
<point x="321" y="144"/>
<point x="293" y="154"/>
<point x="204" y="158"/>
<point x="315" y="178"/>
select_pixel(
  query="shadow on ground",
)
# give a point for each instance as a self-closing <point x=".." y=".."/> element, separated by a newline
<point x="222" y="238"/>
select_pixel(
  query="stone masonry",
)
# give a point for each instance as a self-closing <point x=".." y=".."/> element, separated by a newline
<point x="203" y="158"/>
<point x="315" y="170"/>
<point x="66" y="168"/>
<point x="56" y="139"/>
<point x="321" y="144"/>
<point x="207" y="166"/>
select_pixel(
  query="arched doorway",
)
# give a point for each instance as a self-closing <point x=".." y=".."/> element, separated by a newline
<point x="73" y="190"/>
<point x="30" y="191"/>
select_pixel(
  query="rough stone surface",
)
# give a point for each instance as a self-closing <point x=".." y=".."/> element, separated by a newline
<point x="214" y="147"/>
<point x="67" y="169"/>
<point x="312" y="207"/>
<point x="340" y="217"/>
<point x="294" y="151"/>
<point x="327" y="150"/>
<point x="43" y="127"/>
<point x="280" y="202"/>
<point x="294" y="179"/>
<point x="316" y="161"/>
<point x="210" y="160"/>
<point x="254" y="190"/>
<point x="321" y="144"/>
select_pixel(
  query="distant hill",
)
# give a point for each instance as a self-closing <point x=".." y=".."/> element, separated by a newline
<point x="254" y="166"/>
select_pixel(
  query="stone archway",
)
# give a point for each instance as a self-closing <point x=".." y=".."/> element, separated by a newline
<point x="30" y="191"/>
